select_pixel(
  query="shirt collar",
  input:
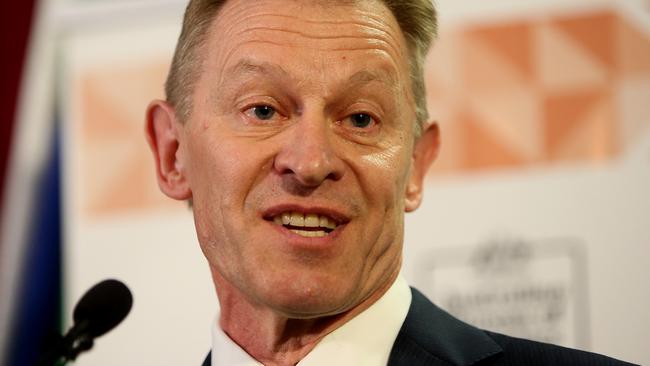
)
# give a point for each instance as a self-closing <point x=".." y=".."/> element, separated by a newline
<point x="366" y="339"/>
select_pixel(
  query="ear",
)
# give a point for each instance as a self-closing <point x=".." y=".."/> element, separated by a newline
<point x="162" y="130"/>
<point x="424" y="153"/>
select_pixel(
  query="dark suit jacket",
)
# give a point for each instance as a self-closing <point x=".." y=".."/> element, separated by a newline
<point x="432" y="337"/>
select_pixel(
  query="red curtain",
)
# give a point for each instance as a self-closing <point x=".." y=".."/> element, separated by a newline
<point x="15" y="27"/>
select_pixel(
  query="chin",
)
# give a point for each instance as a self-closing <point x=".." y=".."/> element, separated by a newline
<point x="308" y="297"/>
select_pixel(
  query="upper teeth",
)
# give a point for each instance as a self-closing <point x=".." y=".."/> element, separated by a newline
<point x="304" y="220"/>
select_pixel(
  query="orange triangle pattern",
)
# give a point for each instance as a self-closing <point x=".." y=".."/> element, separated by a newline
<point x="595" y="32"/>
<point x="486" y="151"/>
<point x="634" y="51"/>
<point x="569" y="119"/>
<point x="118" y="172"/>
<point x="583" y="115"/>
<point x="101" y="117"/>
<point x="512" y="41"/>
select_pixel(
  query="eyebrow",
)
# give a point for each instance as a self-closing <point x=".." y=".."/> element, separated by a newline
<point x="247" y="66"/>
<point x="362" y="77"/>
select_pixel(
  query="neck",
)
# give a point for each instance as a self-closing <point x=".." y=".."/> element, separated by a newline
<point x="273" y="338"/>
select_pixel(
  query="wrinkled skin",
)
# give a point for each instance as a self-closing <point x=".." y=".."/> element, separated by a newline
<point x="305" y="108"/>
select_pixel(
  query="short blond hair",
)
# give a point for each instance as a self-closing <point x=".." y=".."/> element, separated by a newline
<point x="417" y="20"/>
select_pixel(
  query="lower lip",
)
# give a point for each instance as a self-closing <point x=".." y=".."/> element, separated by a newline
<point x="314" y="243"/>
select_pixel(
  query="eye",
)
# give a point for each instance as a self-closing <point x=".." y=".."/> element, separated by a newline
<point x="262" y="112"/>
<point x="361" y="120"/>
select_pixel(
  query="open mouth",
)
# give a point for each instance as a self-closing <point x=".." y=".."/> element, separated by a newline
<point x="307" y="225"/>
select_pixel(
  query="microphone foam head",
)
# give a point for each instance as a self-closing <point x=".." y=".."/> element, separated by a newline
<point x="103" y="307"/>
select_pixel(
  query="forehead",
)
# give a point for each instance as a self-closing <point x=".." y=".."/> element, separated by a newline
<point x="319" y="32"/>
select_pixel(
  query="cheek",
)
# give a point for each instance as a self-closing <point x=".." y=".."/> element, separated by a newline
<point x="226" y="180"/>
<point x="390" y="167"/>
<point x="383" y="159"/>
<point x="218" y="167"/>
<point x="211" y="174"/>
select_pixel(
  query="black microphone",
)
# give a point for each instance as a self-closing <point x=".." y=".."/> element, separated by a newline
<point x="99" y="310"/>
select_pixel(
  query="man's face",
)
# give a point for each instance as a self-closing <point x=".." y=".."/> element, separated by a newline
<point x="299" y="152"/>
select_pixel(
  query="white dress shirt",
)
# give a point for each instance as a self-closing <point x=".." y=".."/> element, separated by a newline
<point x="365" y="340"/>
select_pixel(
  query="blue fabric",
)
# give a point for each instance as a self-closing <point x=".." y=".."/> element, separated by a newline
<point x="37" y="308"/>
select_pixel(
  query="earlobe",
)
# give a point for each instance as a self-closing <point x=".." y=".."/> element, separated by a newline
<point x="162" y="131"/>
<point x="425" y="152"/>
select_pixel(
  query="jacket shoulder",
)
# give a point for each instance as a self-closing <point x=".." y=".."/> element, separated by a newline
<point x="518" y="351"/>
<point x="430" y="336"/>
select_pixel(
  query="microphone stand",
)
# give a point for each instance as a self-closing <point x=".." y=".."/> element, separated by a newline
<point x="68" y="347"/>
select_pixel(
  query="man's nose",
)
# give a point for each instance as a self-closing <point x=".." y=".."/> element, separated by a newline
<point x="308" y="155"/>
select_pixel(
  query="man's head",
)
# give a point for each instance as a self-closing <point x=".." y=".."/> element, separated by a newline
<point x="298" y="149"/>
<point x="416" y="18"/>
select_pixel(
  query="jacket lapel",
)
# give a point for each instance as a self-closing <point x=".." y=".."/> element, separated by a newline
<point x="430" y="336"/>
<point x="208" y="360"/>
